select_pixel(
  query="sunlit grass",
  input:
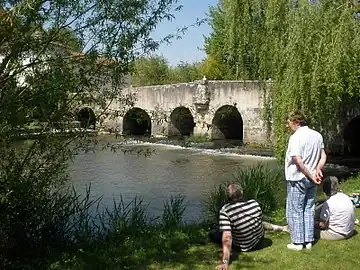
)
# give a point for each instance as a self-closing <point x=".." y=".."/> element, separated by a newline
<point x="184" y="247"/>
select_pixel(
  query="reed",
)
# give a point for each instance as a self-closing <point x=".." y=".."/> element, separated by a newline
<point x="263" y="184"/>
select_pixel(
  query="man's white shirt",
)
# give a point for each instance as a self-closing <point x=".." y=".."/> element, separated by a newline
<point x="306" y="143"/>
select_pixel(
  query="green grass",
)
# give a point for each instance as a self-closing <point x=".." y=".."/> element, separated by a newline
<point x="187" y="247"/>
<point x="265" y="185"/>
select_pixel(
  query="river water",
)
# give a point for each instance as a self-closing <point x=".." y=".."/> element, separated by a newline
<point x="169" y="170"/>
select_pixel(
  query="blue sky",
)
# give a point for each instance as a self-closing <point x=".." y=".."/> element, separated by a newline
<point x="187" y="48"/>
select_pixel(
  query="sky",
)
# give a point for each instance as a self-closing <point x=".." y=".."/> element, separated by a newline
<point x="188" y="48"/>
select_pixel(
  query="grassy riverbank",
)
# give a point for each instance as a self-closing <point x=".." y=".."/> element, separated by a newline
<point x="169" y="244"/>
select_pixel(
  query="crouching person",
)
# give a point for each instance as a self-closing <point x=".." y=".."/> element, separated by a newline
<point x="335" y="218"/>
<point x="240" y="225"/>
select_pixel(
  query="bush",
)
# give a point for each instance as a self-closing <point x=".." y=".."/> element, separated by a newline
<point x="265" y="185"/>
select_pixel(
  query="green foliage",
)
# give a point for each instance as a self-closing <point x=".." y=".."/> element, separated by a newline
<point x="215" y="65"/>
<point x="265" y="185"/>
<point x="321" y="56"/>
<point x="43" y="80"/>
<point x="66" y="36"/>
<point x="130" y="236"/>
<point x="152" y="70"/>
<point x="185" y="72"/>
<point x="236" y="40"/>
<point x="213" y="68"/>
<point x="174" y="209"/>
<point x="121" y="219"/>
<point x="154" y="245"/>
<point x="188" y="140"/>
<point x="155" y="70"/>
<point x="310" y="51"/>
<point x="187" y="248"/>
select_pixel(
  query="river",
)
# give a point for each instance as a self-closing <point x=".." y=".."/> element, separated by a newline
<point x="168" y="170"/>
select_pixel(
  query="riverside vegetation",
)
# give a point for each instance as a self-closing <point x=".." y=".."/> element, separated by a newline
<point x="125" y="237"/>
<point x="49" y="47"/>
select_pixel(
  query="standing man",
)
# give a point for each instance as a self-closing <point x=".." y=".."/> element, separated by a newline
<point x="305" y="158"/>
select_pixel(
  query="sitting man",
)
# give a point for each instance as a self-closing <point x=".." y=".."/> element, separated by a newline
<point x="241" y="225"/>
<point x="335" y="218"/>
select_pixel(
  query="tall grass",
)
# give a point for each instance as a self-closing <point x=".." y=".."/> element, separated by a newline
<point x="265" y="185"/>
<point x="174" y="209"/>
<point x="130" y="236"/>
<point x="63" y="221"/>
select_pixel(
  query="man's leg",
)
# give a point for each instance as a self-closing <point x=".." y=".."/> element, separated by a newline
<point x="295" y="210"/>
<point x="309" y="208"/>
<point x="272" y="227"/>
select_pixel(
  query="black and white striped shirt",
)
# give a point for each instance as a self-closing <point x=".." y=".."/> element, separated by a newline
<point x="244" y="220"/>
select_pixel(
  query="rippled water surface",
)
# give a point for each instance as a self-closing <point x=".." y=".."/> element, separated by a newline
<point x="169" y="170"/>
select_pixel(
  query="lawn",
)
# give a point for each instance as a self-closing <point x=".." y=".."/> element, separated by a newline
<point x="188" y="248"/>
<point x="324" y="255"/>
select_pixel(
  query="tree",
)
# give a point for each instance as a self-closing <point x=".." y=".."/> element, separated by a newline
<point x="237" y="36"/>
<point x="315" y="66"/>
<point x="151" y="70"/>
<point x="310" y="49"/>
<point x="215" y="64"/>
<point x="185" y="72"/>
<point x="155" y="70"/>
<point x="44" y="75"/>
<point x="66" y="36"/>
<point x="214" y="69"/>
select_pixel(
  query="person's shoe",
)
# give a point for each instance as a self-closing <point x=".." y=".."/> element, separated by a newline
<point x="294" y="247"/>
<point x="308" y="246"/>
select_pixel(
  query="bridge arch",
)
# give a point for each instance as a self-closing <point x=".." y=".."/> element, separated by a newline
<point x="86" y="117"/>
<point x="227" y="124"/>
<point x="181" y="122"/>
<point x="351" y="137"/>
<point x="137" y="122"/>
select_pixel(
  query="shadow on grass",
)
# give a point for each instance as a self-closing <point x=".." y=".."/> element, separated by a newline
<point x="183" y="248"/>
<point x="235" y="254"/>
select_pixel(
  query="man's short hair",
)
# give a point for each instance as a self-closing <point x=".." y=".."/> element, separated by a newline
<point x="297" y="116"/>
<point x="331" y="185"/>
<point x="235" y="192"/>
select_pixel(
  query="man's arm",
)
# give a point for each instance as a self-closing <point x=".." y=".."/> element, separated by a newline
<point x="225" y="227"/>
<point x="321" y="164"/>
<point x="226" y="245"/>
<point x="322" y="225"/>
<point x="297" y="160"/>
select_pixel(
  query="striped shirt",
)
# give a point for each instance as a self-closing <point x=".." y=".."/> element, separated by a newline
<point x="244" y="220"/>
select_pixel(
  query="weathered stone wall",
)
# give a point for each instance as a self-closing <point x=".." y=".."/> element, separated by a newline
<point x="247" y="97"/>
<point x="203" y="99"/>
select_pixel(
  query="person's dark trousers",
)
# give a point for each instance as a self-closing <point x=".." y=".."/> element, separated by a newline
<point x="215" y="236"/>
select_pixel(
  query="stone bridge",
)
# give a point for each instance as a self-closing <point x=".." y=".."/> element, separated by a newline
<point x="216" y="109"/>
